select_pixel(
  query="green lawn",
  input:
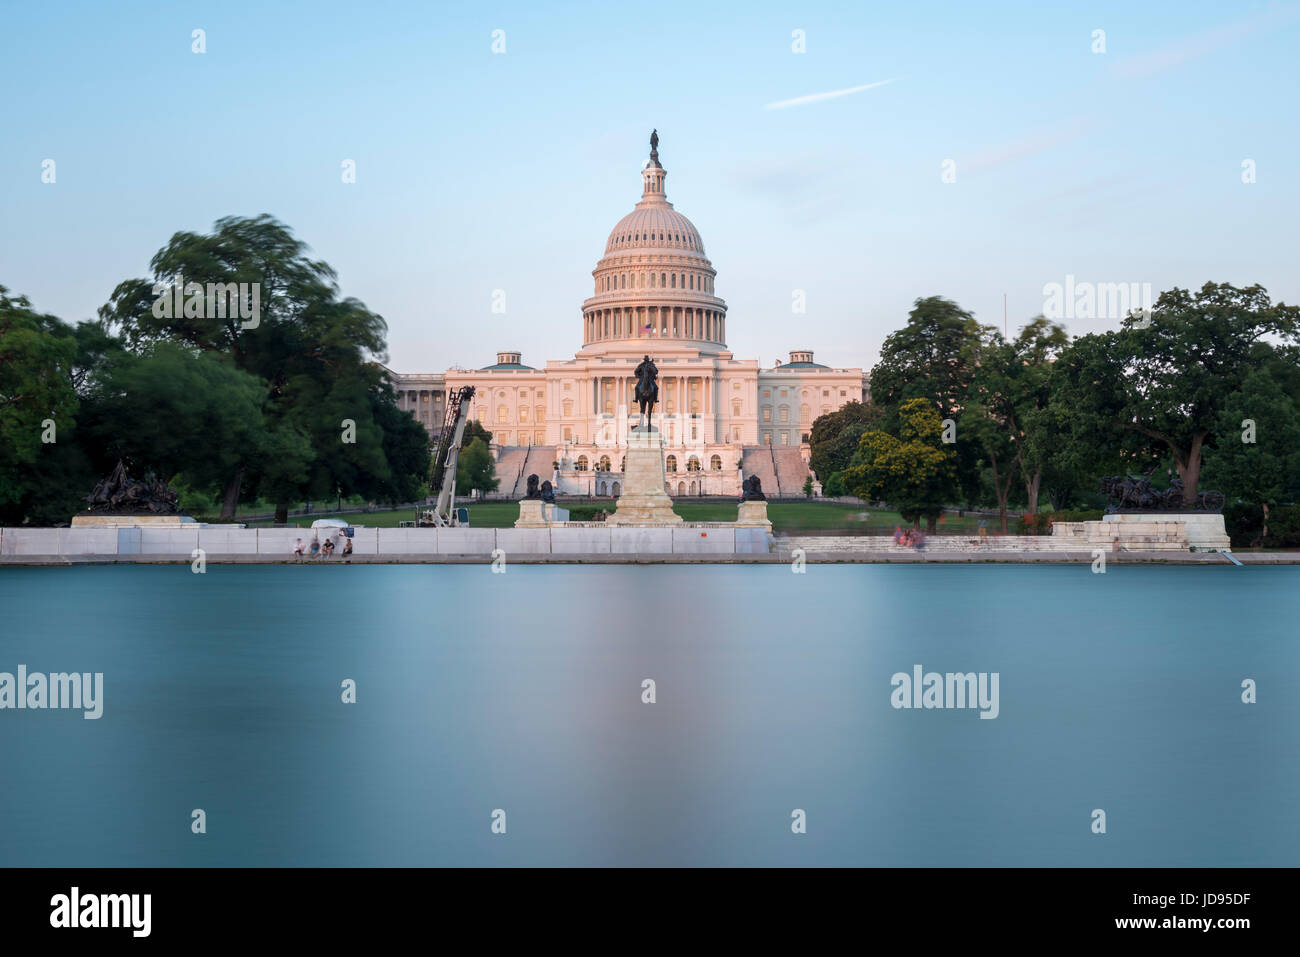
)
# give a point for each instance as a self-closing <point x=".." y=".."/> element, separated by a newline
<point x="786" y="517"/>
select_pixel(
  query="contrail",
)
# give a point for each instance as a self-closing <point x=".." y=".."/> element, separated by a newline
<point x="816" y="97"/>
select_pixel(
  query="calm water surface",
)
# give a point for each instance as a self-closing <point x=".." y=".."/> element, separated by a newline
<point x="522" y="691"/>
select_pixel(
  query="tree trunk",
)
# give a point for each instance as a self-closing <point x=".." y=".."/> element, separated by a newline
<point x="1031" y="491"/>
<point x="282" y="513"/>
<point x="931" y="524"/>
<point x="1002" y="490"/>
<point x="1189" y="469"/>
<point x="230" y="498"/>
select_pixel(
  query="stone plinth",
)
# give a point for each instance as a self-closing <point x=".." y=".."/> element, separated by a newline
<point x="644" y="501"/>
<point x="753" y="513"/>
<point x="1148" y="531"/>
<point x="534" y="513"/>
<point x="1204" y="530"/>
<point x="96" y="520"/>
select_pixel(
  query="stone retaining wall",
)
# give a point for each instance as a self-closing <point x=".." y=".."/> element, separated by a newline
<point x="278" y="543"/>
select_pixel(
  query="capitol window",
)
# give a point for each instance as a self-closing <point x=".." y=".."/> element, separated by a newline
<point x="785" y="415"/>
<point x="767" y="413"/>
<point x="581" y="464"/>
<point x="671" y="463"/>
<point x="604" y="463"/>
<point x="692" y="464"/>
<point x="501" y="413"/>
<point x="715" y="463"/>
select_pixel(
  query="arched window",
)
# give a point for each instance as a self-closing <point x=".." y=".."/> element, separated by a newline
<point x="662" y="278"/>
<point x="581" y="464"/>
<point x="604" y="463"/>
<point x="652" y="280"/>
<point x="715" y="463"/>
<point x="673" y="284"/>
<point x="671" y="463"/>
<point x="693" y="464"/>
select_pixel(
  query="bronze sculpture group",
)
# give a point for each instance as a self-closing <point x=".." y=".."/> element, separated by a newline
<point x="1135" y="493"/>
<point x="119" y="493"/>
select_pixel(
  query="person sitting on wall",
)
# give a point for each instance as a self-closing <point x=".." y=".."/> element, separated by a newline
<point x="298" y="548"/>
<point x="315" y="548"/>
<point x="347" y="548"/>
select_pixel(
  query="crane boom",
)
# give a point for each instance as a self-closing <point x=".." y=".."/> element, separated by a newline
<point x="443" y="513"/>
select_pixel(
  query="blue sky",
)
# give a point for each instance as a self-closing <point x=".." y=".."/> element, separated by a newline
<point x="478" y="171"/>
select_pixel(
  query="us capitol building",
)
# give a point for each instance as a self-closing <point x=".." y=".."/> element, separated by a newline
<point x="722" y="418"/>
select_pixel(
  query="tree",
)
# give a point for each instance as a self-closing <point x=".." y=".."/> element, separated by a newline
<point x="1008" y="390"/>
<point x="1159" y="385"/>
<point x="1257" y="459"/>
<point x="914" y="470"/>
<point x="311" y="350"/>
<point x="475" y="469"/>
<point x="834" y="436"/>
<point x="808" y="487"/>
<point x="38" y="401"/>
<point x="933" y="357"/>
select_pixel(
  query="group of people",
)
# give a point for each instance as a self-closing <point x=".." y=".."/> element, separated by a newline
<point x="319" y="549"/>
<point x="911" y="537"/>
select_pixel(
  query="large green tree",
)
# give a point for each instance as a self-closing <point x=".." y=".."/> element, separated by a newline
<point x="1008" y="391"/>
<point x="913" y="470"/>
<point x="934" y="356"/>
<point x="1257" y="457"/>
<point x="38" y="401"/>
<point x="312" y="350"/>
<point x="1158" y="386"/>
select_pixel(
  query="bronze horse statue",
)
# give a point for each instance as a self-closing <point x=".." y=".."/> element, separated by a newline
<point x="647" y="389"/>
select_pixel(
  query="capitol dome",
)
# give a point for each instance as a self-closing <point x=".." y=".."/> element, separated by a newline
<point x="654" y="280"/>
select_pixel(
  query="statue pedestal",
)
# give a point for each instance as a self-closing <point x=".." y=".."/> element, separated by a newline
<point x="754" y="513"/>
<point x="1148" y="531"/>
<point x="1205" y="530"/>
<point x="644" y="501"/>
<point x="97" y="520"/>
<point x="534" y="513"/>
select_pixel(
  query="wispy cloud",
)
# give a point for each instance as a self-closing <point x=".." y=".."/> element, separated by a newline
<point x="1037" y="141"/>
<point x="1201" y="44"/>
<point x="830" y="95"/>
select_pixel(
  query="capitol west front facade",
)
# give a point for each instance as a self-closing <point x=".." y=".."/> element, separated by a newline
<point x="722" y="418"/>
